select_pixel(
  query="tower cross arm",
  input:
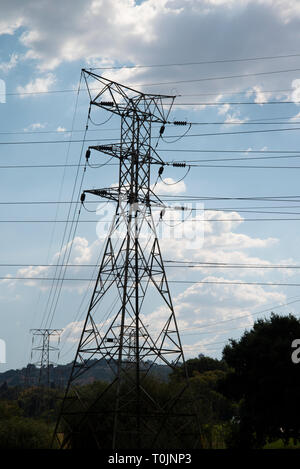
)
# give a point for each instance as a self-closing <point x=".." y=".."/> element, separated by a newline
<point x="124" y="100"/>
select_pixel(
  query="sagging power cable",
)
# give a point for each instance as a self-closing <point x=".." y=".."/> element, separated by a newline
<point x="181" y="136"/>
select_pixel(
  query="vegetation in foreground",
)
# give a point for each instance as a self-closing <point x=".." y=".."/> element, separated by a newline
<point x="249" y="399"/>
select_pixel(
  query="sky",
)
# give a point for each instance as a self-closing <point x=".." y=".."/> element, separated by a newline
<point x="234" y="67"/>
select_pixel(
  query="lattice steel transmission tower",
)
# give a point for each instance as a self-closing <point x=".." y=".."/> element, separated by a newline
<point x="128" y="413"/>
<point x="42" y="348"/>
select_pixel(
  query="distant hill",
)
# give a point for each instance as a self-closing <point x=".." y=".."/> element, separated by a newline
<point x="59" y="375"/>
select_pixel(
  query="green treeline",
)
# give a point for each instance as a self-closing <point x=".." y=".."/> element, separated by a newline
<point x="248" y="399"/>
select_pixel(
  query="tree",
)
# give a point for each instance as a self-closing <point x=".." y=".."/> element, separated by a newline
<point x="213" y="409"/>
<point x="24" y="433"/>
<point x="180" y="431"/>
<point x="200" y="365"/>
<point x="265" y="381"/>
<point x="39" y="402"/>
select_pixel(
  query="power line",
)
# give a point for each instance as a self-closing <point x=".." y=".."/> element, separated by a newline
<point x="203" y="62"/>
<point x="24" y="142"/>
<point x="216" y="323"/>
<point x="169" y="163"/>
<point x="234" y="132"/>
<point x="36" y="142"/>
<point x="190" y="165"/>
<point x="31" y="166"/>
<point x="236" y="103"/>
<point x="237" y="122"/>
<point x="50" y="202"/>
<point x="232" y="92"/>
<point x="235" y="318"/>
<point x="242" y="166"/>
<point x="69" y="244"/>
<point x="196" y="80"/>
<point x="241" y="123"/>
<point x="188" y="282"/>
<point x="61" y="187"/>
<point x="187" y="264"/>
<point x="51" y="92"/>
<point x="55" y="289"/>
<point x="213" y="282"/>
<point x="248" y="158"/>
<point x="226" y="77"/>
<point x="281" y="198"/>
<point x="200" y="150"/>
<point x="208" y="220"/>
<point x="65" y="131"/>
<point x="247" y="151"/>
<point x="171" y="65"/>
<point x="210" y="209"/>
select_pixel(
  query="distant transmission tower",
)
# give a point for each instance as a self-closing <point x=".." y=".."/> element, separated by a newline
<point x="128" y="413"/>
<point x="42" y="348"/>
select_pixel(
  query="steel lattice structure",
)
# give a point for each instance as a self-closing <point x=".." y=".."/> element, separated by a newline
<point x="43" y="350"/>
<point x="125" y="413"/>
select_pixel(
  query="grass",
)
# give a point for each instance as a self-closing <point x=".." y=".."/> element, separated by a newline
<point x="279" y="444"/>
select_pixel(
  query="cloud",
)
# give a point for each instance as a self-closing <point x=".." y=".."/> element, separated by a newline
<point x="39" y="85"/>
<point x="159" y="32"/>
<point x="169" y="186"/>
<point x="218" y="242"/>
<point x="211" y="242"/>
<point x="295" y="96"/>
<point x="197" y="305"/>
<point x="7" y="280"/>
<point x="35" y="126"/>
<point x="7" y="66"/>
<point x="223" y="109"/>
<point x="82" y="253"/>
<point x="232" y="117"/>
<point x="10" y="22"/>
<point x="260" y="96"/>
<point x="296" y="117"/>
<point x="72" y="332"/>
<point x="31" y="272"/>
<point x="202" y="309"/>
<point x="238" y="241"/>
<point x="229" y="297"/>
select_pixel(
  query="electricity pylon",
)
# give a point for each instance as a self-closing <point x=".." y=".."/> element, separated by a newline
<point x="42" y="351"/>
<point x="127" y="413"/>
